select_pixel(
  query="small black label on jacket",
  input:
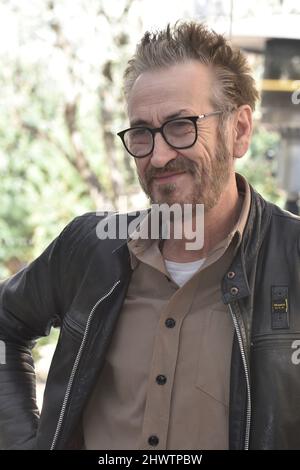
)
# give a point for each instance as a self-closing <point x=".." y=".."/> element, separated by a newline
<point x="280" y="307"/>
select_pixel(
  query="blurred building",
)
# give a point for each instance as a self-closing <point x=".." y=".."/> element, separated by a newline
<point x="270" y="29"/>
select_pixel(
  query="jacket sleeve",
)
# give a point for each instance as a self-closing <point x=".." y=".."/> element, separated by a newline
<point x="30" y="303"/>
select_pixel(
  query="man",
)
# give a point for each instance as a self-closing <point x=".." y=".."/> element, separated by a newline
<point x="163" y="347"/>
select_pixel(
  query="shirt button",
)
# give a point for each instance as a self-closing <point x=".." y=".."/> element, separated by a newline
<point x="170" y="323"/>
<point x="161" y="379"/>
<point x="153" y="441"/>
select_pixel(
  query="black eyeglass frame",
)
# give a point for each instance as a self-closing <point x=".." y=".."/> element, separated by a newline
<point x="160" y="129"/>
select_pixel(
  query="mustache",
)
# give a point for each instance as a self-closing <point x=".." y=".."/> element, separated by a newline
<point x="179" y="164"/>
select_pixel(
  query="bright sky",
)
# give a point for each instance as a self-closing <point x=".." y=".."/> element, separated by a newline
<point x="156" y="13"/>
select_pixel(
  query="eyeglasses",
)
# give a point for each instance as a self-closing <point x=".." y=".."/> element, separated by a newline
<point x="178" y="133"/>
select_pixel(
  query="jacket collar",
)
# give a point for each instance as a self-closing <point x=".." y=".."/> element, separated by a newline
<point x="235" y="284"/>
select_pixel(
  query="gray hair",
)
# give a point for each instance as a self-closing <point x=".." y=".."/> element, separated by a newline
<point x="233" y="85"/>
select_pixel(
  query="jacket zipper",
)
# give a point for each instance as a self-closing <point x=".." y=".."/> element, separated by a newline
<point x="76" y="363"/>
<point x="246" y="369"/>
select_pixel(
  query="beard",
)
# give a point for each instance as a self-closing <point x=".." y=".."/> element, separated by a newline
<point x="208" y="183"/>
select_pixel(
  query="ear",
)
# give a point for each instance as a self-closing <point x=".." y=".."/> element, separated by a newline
<point x="242" y="130"/>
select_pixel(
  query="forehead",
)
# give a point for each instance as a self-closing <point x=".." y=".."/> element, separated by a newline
<point x="159" y="93"/>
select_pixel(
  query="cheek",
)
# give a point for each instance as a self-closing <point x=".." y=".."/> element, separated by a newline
<point x="207" y="143"/>
<point x="200" y="153"/>
<point x="140" y="166"/>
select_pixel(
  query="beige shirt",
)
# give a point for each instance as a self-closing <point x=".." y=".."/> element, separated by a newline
<point x="165" y="381"/>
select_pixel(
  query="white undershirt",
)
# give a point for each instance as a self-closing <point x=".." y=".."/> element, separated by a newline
<point x="182" y="272"/>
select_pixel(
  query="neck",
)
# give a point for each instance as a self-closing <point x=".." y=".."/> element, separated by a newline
<point x="218" y="223"/>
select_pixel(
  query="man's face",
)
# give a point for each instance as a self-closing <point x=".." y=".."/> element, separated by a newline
<point x="195" y="175"/>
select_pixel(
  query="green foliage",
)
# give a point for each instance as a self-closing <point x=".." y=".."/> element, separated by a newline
<point x="40" y="193"/>
<point x="260" y="170"/>
<point x="47" y="66"/>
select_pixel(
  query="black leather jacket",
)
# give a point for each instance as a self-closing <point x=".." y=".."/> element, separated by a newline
<point x="80" y="283"/>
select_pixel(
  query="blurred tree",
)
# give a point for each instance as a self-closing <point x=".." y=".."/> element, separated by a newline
<point x="259" y="165"/>
<point x="61" y="95"/>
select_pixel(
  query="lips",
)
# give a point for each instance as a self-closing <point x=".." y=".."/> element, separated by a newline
<point x="168" y="176"/>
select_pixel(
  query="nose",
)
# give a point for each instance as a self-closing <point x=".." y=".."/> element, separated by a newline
<point x="162" y="152"/>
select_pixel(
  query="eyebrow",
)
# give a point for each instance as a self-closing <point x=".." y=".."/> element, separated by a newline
<point x="142" y="122"/>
